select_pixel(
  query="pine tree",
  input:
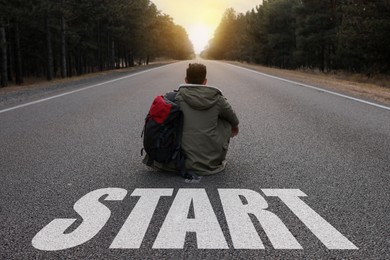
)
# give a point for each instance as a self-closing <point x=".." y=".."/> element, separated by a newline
<point x="364" y="45"/>
<point x="317" y="33"/>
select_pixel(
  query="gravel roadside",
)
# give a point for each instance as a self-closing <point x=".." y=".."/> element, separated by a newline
<point x="366" y="91"/>
<point x="16" y="95"/>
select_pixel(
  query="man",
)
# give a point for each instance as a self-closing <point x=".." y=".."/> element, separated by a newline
<point x="209" y="122"/>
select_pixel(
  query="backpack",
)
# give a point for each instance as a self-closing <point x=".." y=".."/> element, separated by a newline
<point x="162" y="133"/>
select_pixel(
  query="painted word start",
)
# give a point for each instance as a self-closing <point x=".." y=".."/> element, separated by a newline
<point x="173" y="231"/>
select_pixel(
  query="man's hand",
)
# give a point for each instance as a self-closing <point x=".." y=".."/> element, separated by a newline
<point x="235" y="131"/>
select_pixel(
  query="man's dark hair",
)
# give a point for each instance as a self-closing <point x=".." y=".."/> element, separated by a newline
<point x="196" y="73"/>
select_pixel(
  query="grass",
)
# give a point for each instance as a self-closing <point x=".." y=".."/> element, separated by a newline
<point x="376" y="88"/>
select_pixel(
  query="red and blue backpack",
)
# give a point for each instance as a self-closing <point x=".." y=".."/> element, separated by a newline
<point x="163" y="132"/>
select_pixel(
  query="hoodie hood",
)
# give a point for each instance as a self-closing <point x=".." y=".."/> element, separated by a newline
<point x="199" y="97"/>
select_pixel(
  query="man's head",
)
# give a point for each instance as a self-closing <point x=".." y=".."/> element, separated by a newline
<point x="196" y="74"/>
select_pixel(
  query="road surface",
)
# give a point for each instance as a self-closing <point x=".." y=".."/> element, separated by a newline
<point x="307" y="177"/>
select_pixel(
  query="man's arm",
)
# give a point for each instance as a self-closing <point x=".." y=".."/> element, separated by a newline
<point x="227" y="113"/>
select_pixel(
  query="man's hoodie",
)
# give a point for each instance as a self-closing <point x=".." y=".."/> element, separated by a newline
<point x="208" y="118"/>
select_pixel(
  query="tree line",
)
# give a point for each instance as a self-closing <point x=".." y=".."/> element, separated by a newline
<point x="350" y="35"/>
<point x="63" y="38"/>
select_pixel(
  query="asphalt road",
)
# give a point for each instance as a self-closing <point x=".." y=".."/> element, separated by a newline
<point x="72" y="184"/>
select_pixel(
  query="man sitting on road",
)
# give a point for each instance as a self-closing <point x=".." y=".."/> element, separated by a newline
<point x="209" y="122"/>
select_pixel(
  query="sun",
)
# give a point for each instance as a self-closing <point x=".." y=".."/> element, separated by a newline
<point x="200" y="35"/>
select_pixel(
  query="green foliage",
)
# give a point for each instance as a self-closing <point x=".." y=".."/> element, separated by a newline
<point x="316" y="33"/>
<point x="350" y="35"/>
<point x="363" y="41"/>
<point x="99" y="34"/>
<point x="226" y="36"/>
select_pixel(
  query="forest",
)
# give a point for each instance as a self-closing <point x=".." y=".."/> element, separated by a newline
<point x="328" y="35"/>
<point x="64" y="38"/>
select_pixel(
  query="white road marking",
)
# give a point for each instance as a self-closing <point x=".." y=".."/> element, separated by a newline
<point x="242" y="231"/>
<point x="94" y="214"/>
<point x="324" y="231"/>
<point x="312" y="87"/>
<point x="133" y="231"/>
<point x="176" y="225"/>
<point x="237" y="204"/>
<point x="78" y="90"/>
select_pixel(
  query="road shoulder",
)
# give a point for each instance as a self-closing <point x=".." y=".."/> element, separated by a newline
<point x="366" y="91"/>
<point x="16" y="95"/>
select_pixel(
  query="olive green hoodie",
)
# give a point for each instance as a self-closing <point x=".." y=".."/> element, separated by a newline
<point x="208" y="119"/>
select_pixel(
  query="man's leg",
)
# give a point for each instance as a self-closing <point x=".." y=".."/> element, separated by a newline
<point x="170" y="167"/>
<point x="224" y="129"/>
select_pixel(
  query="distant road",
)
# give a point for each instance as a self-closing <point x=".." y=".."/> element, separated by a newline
<point x="307" y="177"/>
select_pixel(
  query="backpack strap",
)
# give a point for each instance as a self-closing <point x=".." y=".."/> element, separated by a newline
<point x="171" y="96"/>
<point x="188" y="175"/>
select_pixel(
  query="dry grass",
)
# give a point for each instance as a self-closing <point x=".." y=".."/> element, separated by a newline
<point x="376" y="88"/>
<point x="33" y="82"/>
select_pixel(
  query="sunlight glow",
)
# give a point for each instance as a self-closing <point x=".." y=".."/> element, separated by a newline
<point x="200" y="35"/>
<point x="201" y="18"/>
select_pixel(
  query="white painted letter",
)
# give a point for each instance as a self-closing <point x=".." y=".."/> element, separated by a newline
<point x="242" y="231"/>
<point x="173" y="231"/>
<point x="324" y="231"/>
<point x="94" y="214"/>
<point x="133" y="230"/>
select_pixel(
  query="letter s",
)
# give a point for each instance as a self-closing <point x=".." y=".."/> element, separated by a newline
<point x="94" y="214"/>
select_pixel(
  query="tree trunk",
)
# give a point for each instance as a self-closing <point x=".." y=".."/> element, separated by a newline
<point x="10" y="58"/>
<point x="77" y="60"/>
<point x="131" y="60"/>
<point x="118" y="60"/>
<point x="3" y="57"/>
<point x="63" y="45"/>
<point x="18" y="57"/>
<point x="100" y="48"/>
<point x="49" y="60"/>
<point x="112" y="54"/>
<point x="70" y="68"/>
<point x="126" y="57"/>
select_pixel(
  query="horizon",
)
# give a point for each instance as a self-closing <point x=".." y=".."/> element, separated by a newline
<point x="201" y="20"/>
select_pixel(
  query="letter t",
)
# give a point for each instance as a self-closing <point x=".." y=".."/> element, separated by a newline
<point x="324" y="231"/>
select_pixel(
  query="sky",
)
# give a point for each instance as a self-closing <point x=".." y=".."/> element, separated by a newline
<point x="201" y="17"/>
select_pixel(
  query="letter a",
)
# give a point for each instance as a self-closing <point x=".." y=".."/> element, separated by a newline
<point x="94" y="214"/>
<point x="205" y="224"/>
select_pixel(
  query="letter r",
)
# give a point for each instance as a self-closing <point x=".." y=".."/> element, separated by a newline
<point x="242" y="230"/>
